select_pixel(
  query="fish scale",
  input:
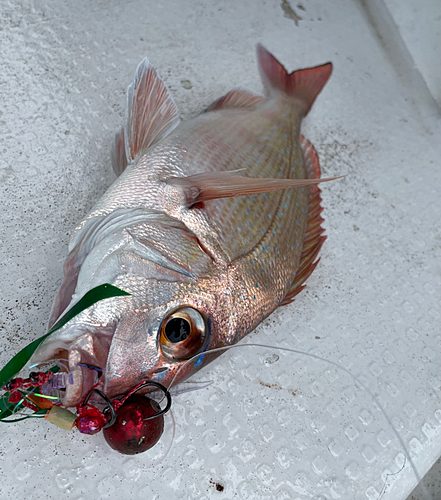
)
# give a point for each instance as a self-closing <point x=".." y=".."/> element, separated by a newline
<point x="190" y="151"/>
<point x="233" y="213"/>
<point x="206" y="223"/>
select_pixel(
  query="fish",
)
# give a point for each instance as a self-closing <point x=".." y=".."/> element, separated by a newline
<point x="210" y="226"/>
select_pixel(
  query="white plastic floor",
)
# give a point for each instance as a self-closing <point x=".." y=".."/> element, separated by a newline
<point x="272" y="425"/>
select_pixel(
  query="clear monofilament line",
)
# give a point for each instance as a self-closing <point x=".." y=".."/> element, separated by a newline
<point x="320" y="358"/>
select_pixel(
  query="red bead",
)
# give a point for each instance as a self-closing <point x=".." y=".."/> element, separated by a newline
<point x="90" y="420"/>
<point x="15" y="397"/>
<point x="131" y="434"/>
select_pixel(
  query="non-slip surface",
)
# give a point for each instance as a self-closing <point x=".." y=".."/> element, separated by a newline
<point x="273" y="424"/>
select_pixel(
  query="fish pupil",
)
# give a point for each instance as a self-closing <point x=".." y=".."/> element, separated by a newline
<point x="177" y="330"/>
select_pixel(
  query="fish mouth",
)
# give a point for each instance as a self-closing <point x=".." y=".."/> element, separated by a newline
<point x="87" y="359"/>
<point x="85" y="376"/>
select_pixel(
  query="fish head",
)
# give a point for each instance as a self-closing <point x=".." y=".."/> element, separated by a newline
<point x="170" y="315"/>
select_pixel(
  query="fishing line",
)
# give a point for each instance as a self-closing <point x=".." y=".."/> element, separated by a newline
<point x="264" y="346"/>
<point x="25" y="391"/>
<point x="315" y="356"/>
<point x="59" y="361"/>
<point x="167" y="451"/>
<point x="31" y="415"/>
<point x="63" y="364"/>
<point x="16" y="410"/>
<point x="383" y="490"/>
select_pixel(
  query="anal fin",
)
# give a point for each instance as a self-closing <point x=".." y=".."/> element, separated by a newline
<point x="314" y="238"/>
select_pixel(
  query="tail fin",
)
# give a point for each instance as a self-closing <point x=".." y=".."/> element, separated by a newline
<point x="303" y="84"/>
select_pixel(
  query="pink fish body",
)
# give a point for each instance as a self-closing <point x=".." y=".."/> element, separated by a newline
<point x="211" y="225"/>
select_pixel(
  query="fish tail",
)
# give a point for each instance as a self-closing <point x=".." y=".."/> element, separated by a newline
<point x="303" y="85"/>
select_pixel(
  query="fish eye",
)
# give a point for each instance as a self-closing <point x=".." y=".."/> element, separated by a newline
<point x="183" y="333"/>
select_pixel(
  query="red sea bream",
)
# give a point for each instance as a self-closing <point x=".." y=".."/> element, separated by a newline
<point x="211" y="225"/>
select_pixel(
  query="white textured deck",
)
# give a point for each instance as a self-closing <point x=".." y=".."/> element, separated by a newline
<point x="372" y="306"/>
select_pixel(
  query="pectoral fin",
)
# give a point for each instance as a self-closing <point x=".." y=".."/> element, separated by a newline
<point x="213" y="185"/>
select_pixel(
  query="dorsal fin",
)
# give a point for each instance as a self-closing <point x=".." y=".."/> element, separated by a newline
<point x="118" y="152"/>
<point x="313" y="236"/>
<point x="237" y="98"/>
<point x="151" y="115"/>
<point x="303" y="84"/>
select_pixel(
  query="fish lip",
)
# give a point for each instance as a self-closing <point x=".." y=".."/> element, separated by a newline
<point x="84" y="379"/>
<point x="81" y="360"/>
